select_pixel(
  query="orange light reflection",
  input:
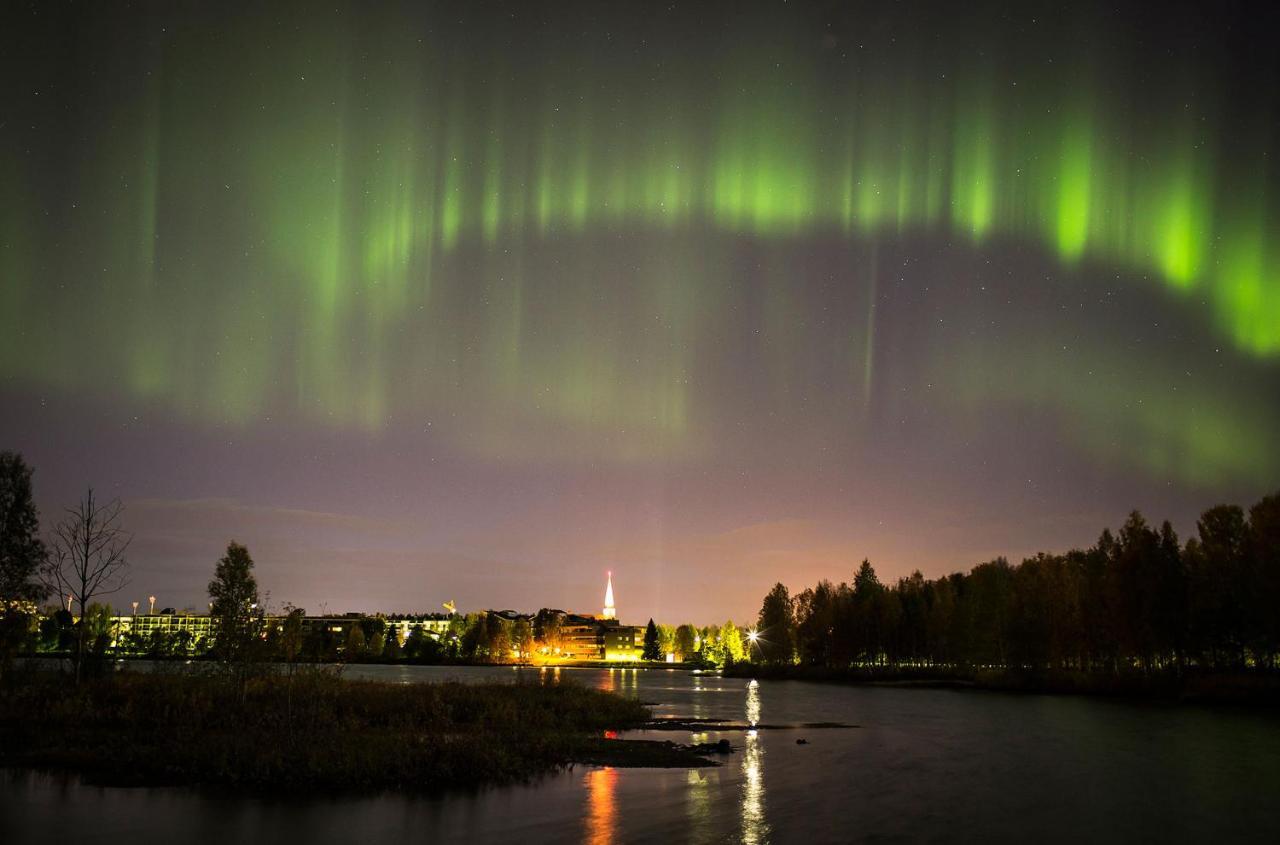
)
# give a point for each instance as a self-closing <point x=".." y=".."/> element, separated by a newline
<point x="602" y="811"/>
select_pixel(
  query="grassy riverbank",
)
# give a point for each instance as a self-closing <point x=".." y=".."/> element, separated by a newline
<point x="315" y="732"/>
<point x="1200" y="687"/>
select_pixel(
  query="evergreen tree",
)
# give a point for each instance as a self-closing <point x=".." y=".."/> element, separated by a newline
<point x="22" y="552"/>
<point x="1220" y="585"/>
<point x="292" y="635"/>
<point x="865" y="581"/>
<point x="815" y="623"/>
<point x="355" y="646"/>
<point x="652" y="649"/>
<point x="234" y="605"/>
<point x="1264" y="548"/>
<point x="777" y="627"/>
<point x="391" y="646"/>
<point x="375" y="642"/>
<point x="415" y="645"/>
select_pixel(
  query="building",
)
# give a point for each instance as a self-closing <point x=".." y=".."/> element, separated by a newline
<point x="434" y="625"/>
<point x="603" y="637"/>
<point x="581" y="637"/>
<point x="623" y="642"/>
<point x="196" y="628"/>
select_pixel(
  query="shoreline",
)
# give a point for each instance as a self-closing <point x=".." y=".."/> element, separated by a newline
<point x="1248" y="688"/>
<point x="125" y="659"/>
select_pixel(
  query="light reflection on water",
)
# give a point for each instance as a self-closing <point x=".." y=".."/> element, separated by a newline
<point x="698" y="791"/>
<point x="601" y="812"/>
<point x="925" y="764"/>
<point x="699" y="710"/>
<point x="755" y="829"/>
<point x="622" y="680"/>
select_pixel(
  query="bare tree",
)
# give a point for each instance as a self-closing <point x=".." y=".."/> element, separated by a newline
<point x="87" y="558"/>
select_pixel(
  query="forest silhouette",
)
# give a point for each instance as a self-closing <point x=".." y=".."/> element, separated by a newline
<point x="1136" y="601"/>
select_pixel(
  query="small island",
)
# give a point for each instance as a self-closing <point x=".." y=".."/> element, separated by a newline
<point x="312" y="730"/>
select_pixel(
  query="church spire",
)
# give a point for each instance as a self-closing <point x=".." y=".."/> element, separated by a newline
<point x="609" y="611"/>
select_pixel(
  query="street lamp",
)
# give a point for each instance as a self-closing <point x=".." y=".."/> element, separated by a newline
<point x="152" y="599"/>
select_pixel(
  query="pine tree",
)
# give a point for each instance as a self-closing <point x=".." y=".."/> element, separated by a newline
<point x="21" y="550"/>
<point x="777" y="627"/>
<point x="234" y="606"/>
<point x="652" y="649"/>
<point x="22" y="554"/>
<point x="391" y="646"/>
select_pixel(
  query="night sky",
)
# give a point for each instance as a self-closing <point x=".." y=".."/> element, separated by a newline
<point x="474" y="302"/>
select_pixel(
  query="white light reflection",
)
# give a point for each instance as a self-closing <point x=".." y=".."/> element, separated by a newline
<point x="698" y="796"/>
<point x="755" y="829"/>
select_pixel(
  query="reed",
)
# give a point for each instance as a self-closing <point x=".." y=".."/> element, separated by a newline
<point x="313" y="730"/>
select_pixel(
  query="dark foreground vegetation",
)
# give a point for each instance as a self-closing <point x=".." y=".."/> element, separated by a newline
<point x="313" y="731"/>
<point x="1138" y="612"/>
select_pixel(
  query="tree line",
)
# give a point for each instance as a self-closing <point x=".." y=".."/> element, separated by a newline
<point x="86" y="560"/>
<point x="1137" y="600"/>
<point x="480" y="637"/>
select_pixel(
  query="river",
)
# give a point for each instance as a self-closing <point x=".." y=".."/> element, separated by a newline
<point x="923" y="764"/>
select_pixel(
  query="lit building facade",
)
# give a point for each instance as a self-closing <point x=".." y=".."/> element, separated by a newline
<point x="434" y="625"/>
<point x="594" y="638"/>
<point x="196" y="628"/>
<point x="622" y="642"/>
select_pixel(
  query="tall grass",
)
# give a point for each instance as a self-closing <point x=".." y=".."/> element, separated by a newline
<point x="314" y="731"/>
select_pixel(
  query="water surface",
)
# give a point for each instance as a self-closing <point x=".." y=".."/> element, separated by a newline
<point x="934" y="764"/>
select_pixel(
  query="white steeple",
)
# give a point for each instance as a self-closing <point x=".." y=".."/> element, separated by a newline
<point x="609" y="611"/>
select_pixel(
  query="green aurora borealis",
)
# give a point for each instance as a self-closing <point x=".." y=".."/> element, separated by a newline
<point x="577" y="233"/>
